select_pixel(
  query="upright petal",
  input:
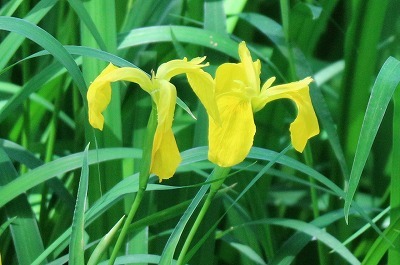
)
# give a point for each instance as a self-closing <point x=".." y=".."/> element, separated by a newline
<point x="164" y="95"/>
<point x="200" y="81"/>
<point x="230" y="142"/>
<point x="227" y="79"/>
<point x="165" y="154"/>
<point x="250" y="68"/>
<point x="175" y="67"/>
<point x="305" y="124"/>
<point x="203" y="86"/>
<point x="99" y="92"/>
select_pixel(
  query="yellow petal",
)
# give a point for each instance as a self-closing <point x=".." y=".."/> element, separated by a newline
<point x="99" y="92"/>
<point x="305" y="125"/>
<point x="229" y="78"/>
<point x="200" y="81"/>
<point x="164" y="95"/>
<point x="166" y="157"/>
<point x="175" y="67"/>
<point x="250" y="68"/>
<point x="203" y="86"/>
<point x="230" y="142"/>
<point x="98" y="97"/>
<point x="130" y="74"/>
<point x="165" y="153"/>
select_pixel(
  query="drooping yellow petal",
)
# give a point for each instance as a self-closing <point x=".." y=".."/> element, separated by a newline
<point x="200" y="81"/>
<point x="230" y="141"/>
<point x="98" y="97"/>
<point x="165" y="153"/>
<point x="305" y="124"/>
<point x="175" y="67"/>
<point x="99" y="92"/>
<point x="130" y="74"/>
<point x="166" y="157"/>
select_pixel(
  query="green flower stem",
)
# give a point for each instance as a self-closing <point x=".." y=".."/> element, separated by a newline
<point x="314" y="201"/>
<point x="143" y="180"/>
<point x="219" y="175"/>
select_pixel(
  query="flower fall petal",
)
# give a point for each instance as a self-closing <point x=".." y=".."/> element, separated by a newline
<point x="305" y="124"/>
<point x="230" y="142"/>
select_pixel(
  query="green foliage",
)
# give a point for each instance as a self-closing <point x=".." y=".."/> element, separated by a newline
<point x="337" y="203"/>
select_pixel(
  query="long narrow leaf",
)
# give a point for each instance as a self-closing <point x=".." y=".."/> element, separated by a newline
<point x="382" y="91"/>
<point x="49" y="43"/>
<point x="59" y="167"/>
<point x="11" y="43"/>
<point x="185" y="34"/>
<point x="26" y="238"/>
<point x="76" y="245"/>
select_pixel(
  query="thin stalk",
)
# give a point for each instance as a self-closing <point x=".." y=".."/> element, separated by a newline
<point x="143" y="179"/>
<point x="285" y="14"/>
<point x="219" y="175"/>
<point x="314" y="202"/>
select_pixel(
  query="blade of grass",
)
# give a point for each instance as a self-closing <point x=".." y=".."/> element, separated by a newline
<point x="233" y="7"/>
<point x="292" y="247"/>
<point x="9" y="8"/>
<point x="33" y="85"/>
<point x="312" y="231"/>
<point x="184" y="34"/>
<point x="362" y="37"/>
<point x="84" y="16"/>
<point x="4" y="226"/>
<point x="76" y="244"/>
<point x="105" y="242"/>
<point x="381" y="246"/>
<point x="382" y="91"/>
<point x="394" y="255"/>
<point x="19" y="154"/>
<point x="59" y="167"/>
<point x="49" y="43"/>
<point x="102" y="13"/>
<point x="24" y="229"/>
<point x="170" y="247"/>
<point x="11" y="43"/>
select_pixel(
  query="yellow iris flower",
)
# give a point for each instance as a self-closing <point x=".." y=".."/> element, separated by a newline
<point x="165" y="153"/>
<point x="238" y="96"/>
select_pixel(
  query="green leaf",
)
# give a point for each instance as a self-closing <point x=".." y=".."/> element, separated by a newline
<point x="9" y="8"/>
<point x="49" y="43"/>
<point x="269" y="27"/>
<point x="169" y="249"/>
<point x="59" y="167"/>
<point x="24" y="229"/>
<point x="386" y="82"/>
<point x="11" y="43"/>
<point x="76" y="244"/>
<point x="310" y="230"/>
<point x="381" y="246"/>
<point x="4" y="226"/>
<point x="184" y="34"/>
<point x="104" y="243"/>
<point x="248" y="251"/>
<point x="83" y="15"/>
